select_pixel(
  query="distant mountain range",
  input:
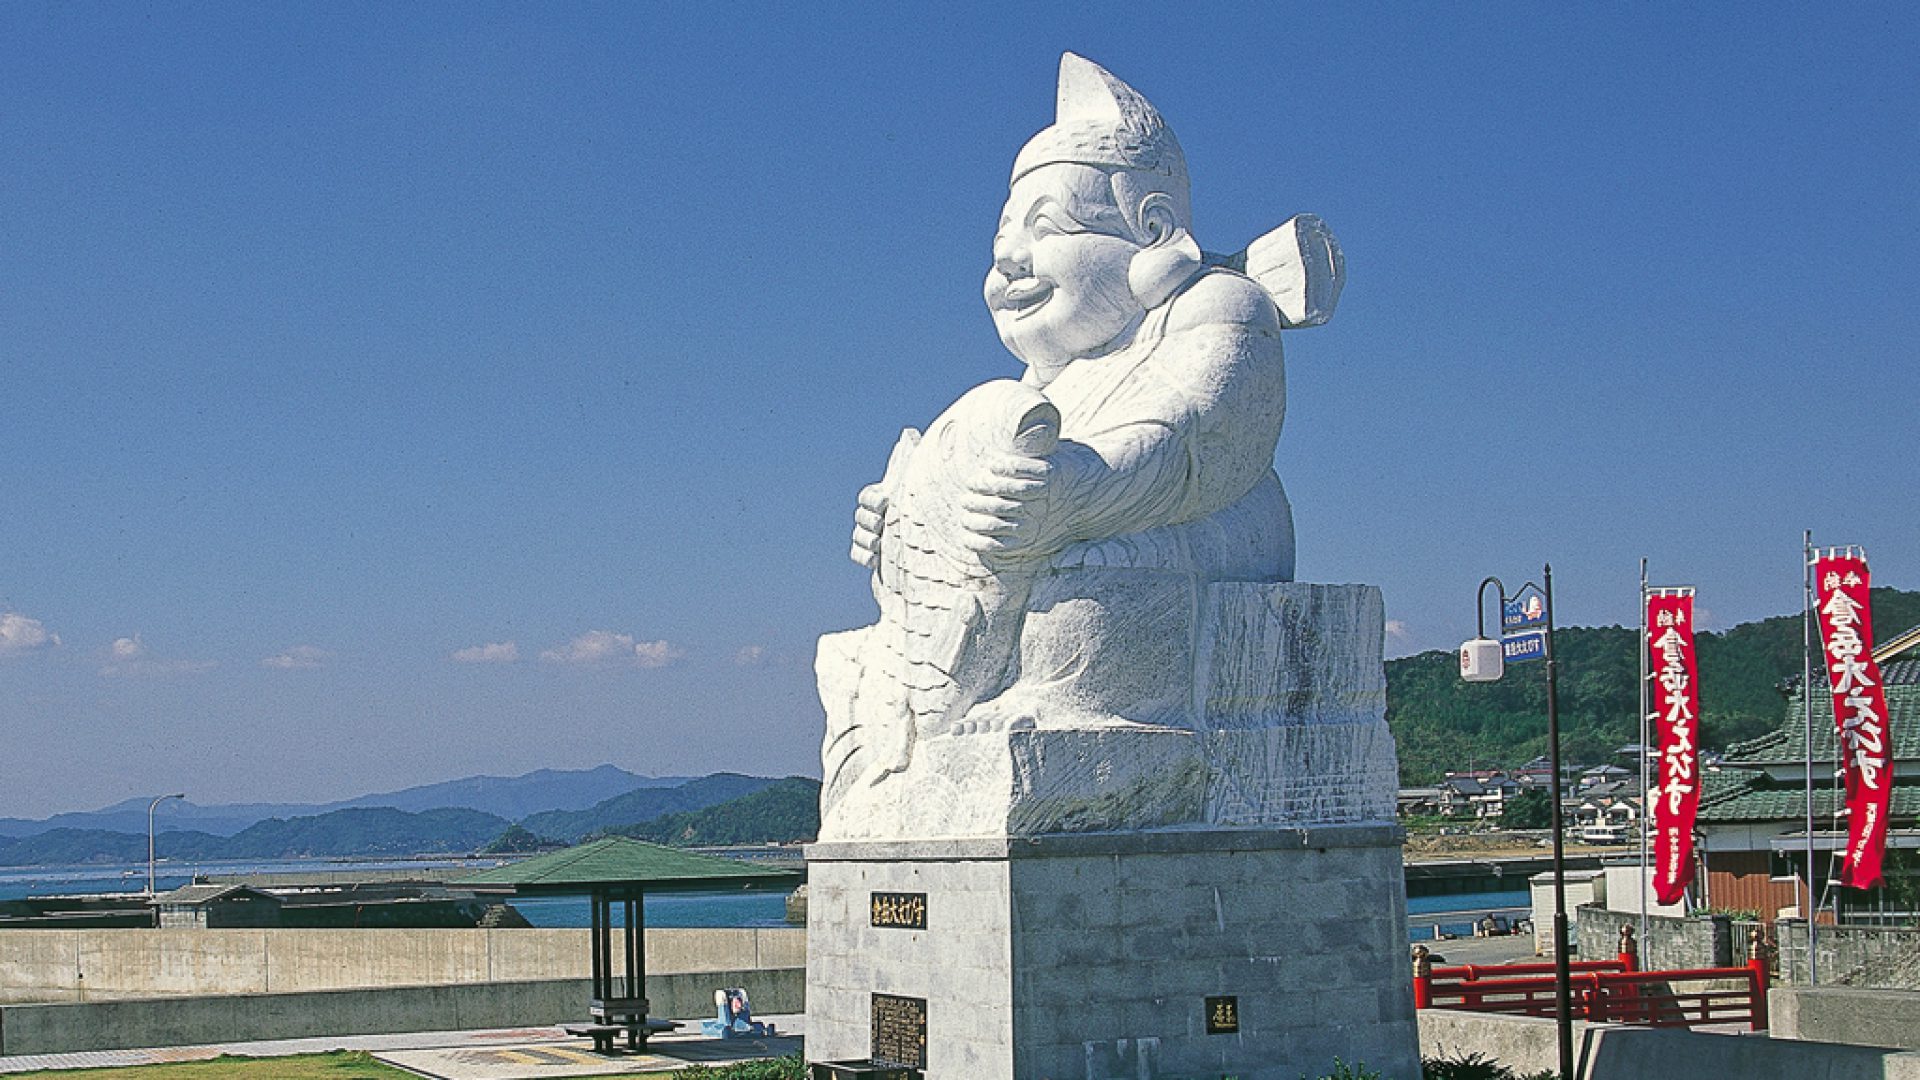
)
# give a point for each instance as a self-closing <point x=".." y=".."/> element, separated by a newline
<point x="644" y="804"/>
<point x="720" y="808"/>
<point x="509" y="797"/>
<point x="356" y="832"/>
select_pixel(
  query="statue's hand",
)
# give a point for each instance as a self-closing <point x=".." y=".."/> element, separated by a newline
<point x="869" y="520"/>
<point x="1009" y="507"/>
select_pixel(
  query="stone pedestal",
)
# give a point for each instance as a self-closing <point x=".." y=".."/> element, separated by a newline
<point x="1226" y="704"/>
<point x="1260" y="954"/>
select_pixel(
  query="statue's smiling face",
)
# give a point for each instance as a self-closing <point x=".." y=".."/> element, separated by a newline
<point x="1058" y="288"/>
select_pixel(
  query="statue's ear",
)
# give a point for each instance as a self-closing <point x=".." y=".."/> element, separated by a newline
<point x="1157" y="223"/>
<point x="1168" y="256"/>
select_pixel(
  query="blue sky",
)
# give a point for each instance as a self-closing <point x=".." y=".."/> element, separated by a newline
<point x="338" y="343"/>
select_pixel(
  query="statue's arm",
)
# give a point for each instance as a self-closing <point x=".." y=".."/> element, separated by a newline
<point x="1189" y="434"/>
<point x="870" y="509"/>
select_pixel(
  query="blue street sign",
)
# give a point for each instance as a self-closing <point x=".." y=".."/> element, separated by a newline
<point x="1531" y="645"/>
<point x="1523" y="612"/>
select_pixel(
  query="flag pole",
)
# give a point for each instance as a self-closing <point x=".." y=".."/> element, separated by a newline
<point x="1646" y="801"/>
<point x="1806" y="700"/>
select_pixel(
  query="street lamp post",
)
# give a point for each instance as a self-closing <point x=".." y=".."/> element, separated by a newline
<point x="1482" y="660"/>
<point x="150" y="809"/>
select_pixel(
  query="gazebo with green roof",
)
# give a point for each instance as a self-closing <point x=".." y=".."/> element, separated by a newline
<point x="620" y="870"/>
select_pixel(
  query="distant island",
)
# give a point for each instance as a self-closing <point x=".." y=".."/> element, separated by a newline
<point x="723" y="808"/>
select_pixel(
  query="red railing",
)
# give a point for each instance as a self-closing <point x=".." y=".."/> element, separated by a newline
<point x="1600" y="991"/>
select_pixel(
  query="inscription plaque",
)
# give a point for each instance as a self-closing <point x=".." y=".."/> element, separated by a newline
<point x="1223" y="1016"/>
<point x="900" y="910"/>
<point x="900" y="1031"/>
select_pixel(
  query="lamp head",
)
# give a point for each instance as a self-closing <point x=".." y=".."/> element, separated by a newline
<point x="1482" y="660"/>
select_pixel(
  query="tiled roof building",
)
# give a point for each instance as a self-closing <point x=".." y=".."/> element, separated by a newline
<point x="1757" y="799"/>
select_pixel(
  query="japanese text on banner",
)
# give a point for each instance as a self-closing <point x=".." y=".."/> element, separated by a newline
<point x="1859" y="711"/>
<point x="1674" y="668"/>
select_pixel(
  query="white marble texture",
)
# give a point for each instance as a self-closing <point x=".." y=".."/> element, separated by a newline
<point x="1087" y="618"/>
<point x="1093" y="956"/>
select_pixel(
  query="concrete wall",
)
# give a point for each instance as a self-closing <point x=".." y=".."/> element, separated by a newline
<point x="1584" y="888"/>
<point x="1884" y="1018"/>
<point x="95" y="965"/>
<point x="1864" y="957"/>
<point x="1695" y="942"/>
<point x="1613" y="1052"/>
<point x="181" y="1021"/>
<point x="1623" y="892"/>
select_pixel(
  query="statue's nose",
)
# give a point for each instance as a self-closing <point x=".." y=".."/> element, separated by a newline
<point x="1009" y="258"/>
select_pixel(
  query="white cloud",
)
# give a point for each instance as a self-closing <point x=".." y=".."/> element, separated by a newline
<point x="1397" y="629"/>
<point x="19" y="634"/>
<point x="131" y="658"/>
<point x="750" y="656"/>
<point x="656" y="653"/>
<point x="604" y="648"/>
<point x="298" y="658"/>
<point x="493" y="652"/>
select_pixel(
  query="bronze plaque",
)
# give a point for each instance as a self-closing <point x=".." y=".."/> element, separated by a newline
<point x="1223" y="1015"/>
<point x="900" y="910"/>
<point x="900" y="1031"/>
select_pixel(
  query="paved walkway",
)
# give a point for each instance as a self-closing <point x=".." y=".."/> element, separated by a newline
<point x="1506" y="949"/>
<point x="497" y="1054"/>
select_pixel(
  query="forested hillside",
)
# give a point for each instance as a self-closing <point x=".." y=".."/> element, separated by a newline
<point x="644" y="804"/>
<point x="1443" y="723"/>
<point x="789" y="810"/>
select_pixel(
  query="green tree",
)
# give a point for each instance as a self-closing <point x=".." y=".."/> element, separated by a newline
<point x="1443" y="723"/>
<point x="518" y="840"/>
<point x="1528" y="810"/>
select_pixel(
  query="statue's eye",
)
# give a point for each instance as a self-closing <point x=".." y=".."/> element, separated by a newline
<point x="1049" y="225"/>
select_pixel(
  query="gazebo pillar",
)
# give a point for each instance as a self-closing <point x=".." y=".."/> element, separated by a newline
<point x="636" y="921"/>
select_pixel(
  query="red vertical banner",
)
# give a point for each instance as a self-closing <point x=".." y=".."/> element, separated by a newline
<point x="1675" y="670"/>
<point x="1859" y="709"/>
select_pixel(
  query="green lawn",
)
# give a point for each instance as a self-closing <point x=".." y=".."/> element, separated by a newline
<point x="339" y="1065"/>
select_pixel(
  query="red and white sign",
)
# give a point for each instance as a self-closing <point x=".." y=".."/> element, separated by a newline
<point x="1859" y="710"/>
<point x="1676" y="714"/>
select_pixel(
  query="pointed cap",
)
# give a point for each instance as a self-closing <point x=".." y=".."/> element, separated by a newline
<point x="1099" y="120"/>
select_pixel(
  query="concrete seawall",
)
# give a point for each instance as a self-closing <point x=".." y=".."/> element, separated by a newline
<point x="180" y="1021"/>
<point x="1616" y="1052"/>
<point x="41" y="966"/>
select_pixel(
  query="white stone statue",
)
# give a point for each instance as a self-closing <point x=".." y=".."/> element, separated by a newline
<point x="1083" y="622"/>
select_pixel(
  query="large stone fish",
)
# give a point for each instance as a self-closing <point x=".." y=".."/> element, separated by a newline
<point x="949" y="629"/>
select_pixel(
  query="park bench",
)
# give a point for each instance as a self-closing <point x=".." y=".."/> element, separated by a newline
<point x="618" y="1016"/>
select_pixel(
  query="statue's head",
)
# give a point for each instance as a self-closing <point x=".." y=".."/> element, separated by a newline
<point x="1097" y="225"/>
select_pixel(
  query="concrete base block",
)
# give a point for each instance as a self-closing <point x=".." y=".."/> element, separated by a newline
<point x="1528" y="1045"/>
<point x="1108" y="955"/>
<point x="1883" y="1018"/>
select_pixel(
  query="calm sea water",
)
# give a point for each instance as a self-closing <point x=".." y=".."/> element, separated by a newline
<point x="1470" y="906"/>
<point x="759" y="908"/>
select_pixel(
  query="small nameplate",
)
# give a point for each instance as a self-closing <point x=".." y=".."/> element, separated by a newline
<point x="900" y="910"/>
<point x="1223" y="1015"/>
<point x="900" y="1031"/>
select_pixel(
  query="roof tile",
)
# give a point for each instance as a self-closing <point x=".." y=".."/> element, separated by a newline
<point x="616" y="862"/>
